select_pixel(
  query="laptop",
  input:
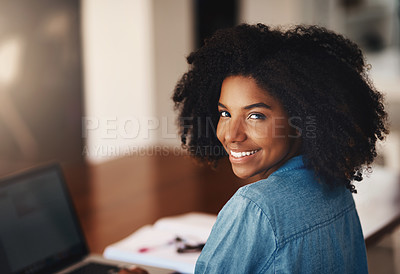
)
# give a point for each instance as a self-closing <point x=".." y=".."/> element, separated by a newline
<point x="39" y="228"/>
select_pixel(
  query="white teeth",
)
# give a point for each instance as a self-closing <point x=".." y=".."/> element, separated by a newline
<point x="242" y="154"/>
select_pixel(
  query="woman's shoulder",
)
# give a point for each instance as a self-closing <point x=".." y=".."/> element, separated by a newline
<point x="295" y="200"/>
<point x="292" y="178"/>
<point x="293" y="182"/>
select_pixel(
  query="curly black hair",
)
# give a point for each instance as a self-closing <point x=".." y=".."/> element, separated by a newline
<point x="318" y="76"/>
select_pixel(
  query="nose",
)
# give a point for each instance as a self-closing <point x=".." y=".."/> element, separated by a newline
<point x="235" y="131"/>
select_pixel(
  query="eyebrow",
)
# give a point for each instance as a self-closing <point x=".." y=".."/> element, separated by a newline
<point x="256" y="105"/>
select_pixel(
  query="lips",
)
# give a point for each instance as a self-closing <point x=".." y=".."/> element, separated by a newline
<point x="241" y="154"/>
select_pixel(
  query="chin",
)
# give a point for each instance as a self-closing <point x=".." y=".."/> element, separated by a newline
<point x="242" y="174"/>
<point x="245" y="174"/>
<point x="244" y="177"/>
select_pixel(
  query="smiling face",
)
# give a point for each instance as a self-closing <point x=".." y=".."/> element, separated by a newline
<point x="254" y="129"/>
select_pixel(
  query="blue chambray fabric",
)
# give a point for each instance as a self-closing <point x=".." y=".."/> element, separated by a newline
<point x="287" y="223"/>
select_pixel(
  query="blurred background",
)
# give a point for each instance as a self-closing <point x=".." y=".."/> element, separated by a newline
<point x="90" y="81"/>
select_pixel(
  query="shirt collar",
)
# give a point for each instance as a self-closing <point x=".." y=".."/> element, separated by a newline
<point x="293" y="163"/>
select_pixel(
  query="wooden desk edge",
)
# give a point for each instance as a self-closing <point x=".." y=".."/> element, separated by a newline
<point x="374" y="238"/>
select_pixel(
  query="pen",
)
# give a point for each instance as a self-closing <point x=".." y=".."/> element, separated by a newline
<point x="152" y="248"/>
<point x="181" y="246"/>
<point x="190" y="248"/>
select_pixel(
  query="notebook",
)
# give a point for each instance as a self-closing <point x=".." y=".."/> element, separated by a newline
<point x="160" y="244"/>
<point x="39" y="228"/>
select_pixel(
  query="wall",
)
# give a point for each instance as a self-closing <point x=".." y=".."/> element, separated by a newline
<point x="273" y="12"/>
<point x="40" y="83"/>
<point x="290" y="12"/>
<point x="134" y="52"/>
<point x="119" y="76"/>
<point x="174" y="40"/>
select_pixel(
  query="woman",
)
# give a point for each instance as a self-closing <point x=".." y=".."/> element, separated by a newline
<point x="296" y="113"/>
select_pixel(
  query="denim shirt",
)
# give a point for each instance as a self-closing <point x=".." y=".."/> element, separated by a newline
<point x="287" y="223"/>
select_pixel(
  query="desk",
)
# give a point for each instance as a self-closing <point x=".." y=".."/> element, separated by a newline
<point x="114" y="199"/>
<point x="378" y="203"/>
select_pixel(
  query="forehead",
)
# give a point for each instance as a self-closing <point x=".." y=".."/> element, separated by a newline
<point x="241" y="90"/>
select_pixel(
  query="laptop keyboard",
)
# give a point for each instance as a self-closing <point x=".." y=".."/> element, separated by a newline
<point x="96" y="268"/>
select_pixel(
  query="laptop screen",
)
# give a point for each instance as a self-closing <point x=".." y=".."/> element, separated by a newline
<point x="38" y="225"/>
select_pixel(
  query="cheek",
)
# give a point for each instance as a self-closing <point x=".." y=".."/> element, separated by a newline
<point x="259" y="131"/>
<point x="220" y="132"/>
<point x="281" y="128"/>
<point x="271" y="135"/>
